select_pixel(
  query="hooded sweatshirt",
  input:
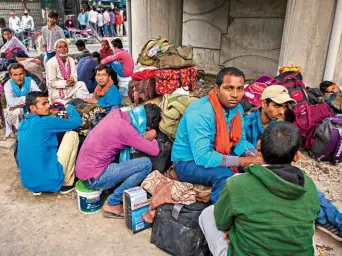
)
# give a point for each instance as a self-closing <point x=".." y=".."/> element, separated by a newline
<point x="268" y="211"/>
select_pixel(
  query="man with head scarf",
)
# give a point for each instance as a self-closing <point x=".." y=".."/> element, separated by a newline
<point x="61" y="76"/>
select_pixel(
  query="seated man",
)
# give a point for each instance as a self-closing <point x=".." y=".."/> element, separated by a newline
<point x="106" y="50"/>
<point x="42" y="166"/>
<point x="329" y="87"/>
<point x="115" y="132"/>
<point x="210" y="139"/>
<point x="96" y="56"/>
<point x="81" y="47"/>
<point x="275" y="99"/>
<point x="269" y="210"/>
<point x="61" y="76"/>
<point x="121" y="62"/>
<point x="106" y="94"/>
<point x="86" y="67"/>
<point x="16" y="90"/>
<point x="12" y="43"/>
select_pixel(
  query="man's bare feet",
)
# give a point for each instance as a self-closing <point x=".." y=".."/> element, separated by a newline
<point x="115" y="211"/>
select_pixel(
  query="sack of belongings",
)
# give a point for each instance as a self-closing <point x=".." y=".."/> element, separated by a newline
<point x="173" y="108"/>
<point x="180" y="57"/>
<point x="152" y="50"/>
<point x="176" y="229"/>
<point x="88" y="113"/>
<point x="327" y="145"/>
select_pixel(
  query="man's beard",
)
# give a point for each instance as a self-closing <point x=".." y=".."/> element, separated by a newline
<point x="63" y="54"/>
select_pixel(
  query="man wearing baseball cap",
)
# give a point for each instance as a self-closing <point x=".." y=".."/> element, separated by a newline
<point x="275" y="100"/>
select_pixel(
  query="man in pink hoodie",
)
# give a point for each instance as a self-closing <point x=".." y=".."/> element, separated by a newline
<point x="106" y="18"/>
<point x="121" y="62"/>
<point x="95" y="164"/>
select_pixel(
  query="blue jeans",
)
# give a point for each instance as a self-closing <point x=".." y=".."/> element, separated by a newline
<point x="130" y="173"/>
<point x="112" y="28"/>
<point x="117" y="67"/>
<point x="106" y="29"/>
<point x="328" y="212"/>
<point x="213" y="177"/>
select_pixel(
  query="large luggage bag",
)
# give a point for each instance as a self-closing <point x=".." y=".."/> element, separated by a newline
<point x="176" y="230"/>
<point x="168" y="80"/>
<point x="142" y="91"/>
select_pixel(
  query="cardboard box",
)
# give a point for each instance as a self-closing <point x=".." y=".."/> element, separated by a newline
<point x="135" y="203"/>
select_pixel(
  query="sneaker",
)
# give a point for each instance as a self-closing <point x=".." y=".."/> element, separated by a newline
<point x="36" y="193"/>
<point x="330" y="230"/>
<point x="66" y="189"/>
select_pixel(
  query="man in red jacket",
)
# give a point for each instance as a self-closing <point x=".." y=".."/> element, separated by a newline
<point x="118" y="23"/>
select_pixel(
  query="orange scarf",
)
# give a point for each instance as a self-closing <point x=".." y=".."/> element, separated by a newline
<point x="101" y="91"/>
<point x="223" y="140"/>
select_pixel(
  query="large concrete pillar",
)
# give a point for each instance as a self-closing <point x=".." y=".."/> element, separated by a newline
<point x="154" y="18"/>
<point x="306" y="37"/>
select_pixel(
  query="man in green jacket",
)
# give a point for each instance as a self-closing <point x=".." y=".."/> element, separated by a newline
<point x="270" y="209"/>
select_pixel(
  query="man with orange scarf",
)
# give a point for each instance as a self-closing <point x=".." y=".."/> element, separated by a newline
<point x="210" y="140"/>
<point x="106" y="94"/>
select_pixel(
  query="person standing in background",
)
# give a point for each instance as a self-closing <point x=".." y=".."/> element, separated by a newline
<point x="14" y="22"/>
<point x="27" y="21"/>
<point x="51" y="34"/>
<point x="92" y="17"/>
<point x="125" y="21"/>
<point x="82" y="20"/>
<point x="118" y="23"/>
<point x="112" y="22"/>
<point x="106" y="18"/>
<point x="100" y="23"/>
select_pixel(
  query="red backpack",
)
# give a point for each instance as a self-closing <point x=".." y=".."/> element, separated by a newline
<point x="292" y="81"/>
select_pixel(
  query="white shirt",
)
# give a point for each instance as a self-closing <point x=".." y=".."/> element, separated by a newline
<point x="100" y="20"/>
<point x="14" y="23"/>
<point x="27" y="22"/>
<point x="11" y="99"/>
<point x="54" y="77"/>
<point x="92" y="16"/>
<point x="13" y="43"/>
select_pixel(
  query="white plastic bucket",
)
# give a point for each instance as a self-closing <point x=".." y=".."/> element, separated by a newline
<point x="89" y="201"/>
<point x="123" y="85"/>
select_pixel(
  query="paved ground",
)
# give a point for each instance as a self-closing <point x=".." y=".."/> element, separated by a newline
<point x="51" y="224"/>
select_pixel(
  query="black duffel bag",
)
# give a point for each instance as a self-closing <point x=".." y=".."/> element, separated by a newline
<point x="176" y="230"/>
<point x="162" y="162"/>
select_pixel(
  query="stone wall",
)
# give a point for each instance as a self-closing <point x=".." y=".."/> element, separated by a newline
<point x="243" y="33"/>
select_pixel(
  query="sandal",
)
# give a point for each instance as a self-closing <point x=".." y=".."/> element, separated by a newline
<point x="113" y="215"/>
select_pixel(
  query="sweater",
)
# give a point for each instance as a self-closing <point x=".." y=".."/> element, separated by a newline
<point x="268" y="212"/>
<point x="37" y="150"/>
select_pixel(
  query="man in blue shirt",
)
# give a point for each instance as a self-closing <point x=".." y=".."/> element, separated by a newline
<point x="106" y="94"/>
<point x="274" y="99"/>
<point x="82" y="20"/>
<point x="43" y="167"/>
<point x="86" y="67"/>
<point x="197" y="160"/>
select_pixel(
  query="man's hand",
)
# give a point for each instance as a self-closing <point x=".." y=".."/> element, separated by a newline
<point x="248" y="160"/>
<point x="226" y="236"/>
<point x="71" y="82"/>
<point x="14" y="108"/>
<point x="150" y="135"/>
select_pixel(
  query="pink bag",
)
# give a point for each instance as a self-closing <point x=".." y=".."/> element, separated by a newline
<point x="308" y="117"/>
<point x="254" y="90"/>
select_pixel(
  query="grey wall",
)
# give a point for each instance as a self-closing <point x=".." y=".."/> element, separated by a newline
<point x="243" y="33"/>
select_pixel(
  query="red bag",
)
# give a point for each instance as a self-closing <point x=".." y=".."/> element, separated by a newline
<point x="308" y="117"/>
<point x="168" y="80"/>
<point x="143" y="75"/>
<point x="254" y="91"/>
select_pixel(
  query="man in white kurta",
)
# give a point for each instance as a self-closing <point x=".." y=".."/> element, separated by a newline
<point x="15" y="93"/>
<point x="60" y="88"/>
